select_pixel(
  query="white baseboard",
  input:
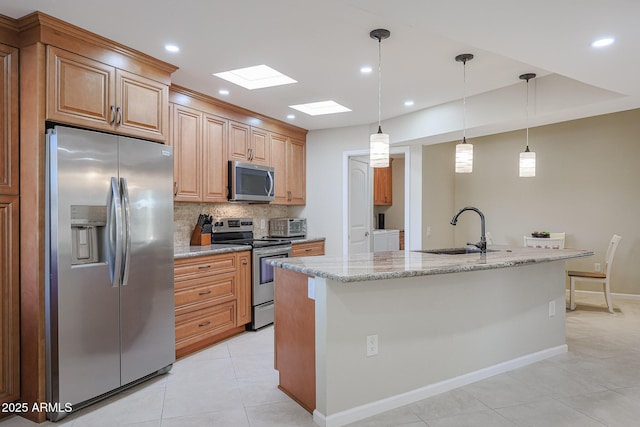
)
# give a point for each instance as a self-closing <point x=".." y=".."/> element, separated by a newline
<point x="613" y="294"/>
<point x="370" y="409"/>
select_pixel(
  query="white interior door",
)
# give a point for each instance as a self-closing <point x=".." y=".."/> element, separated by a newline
<point x="360" y="207"/>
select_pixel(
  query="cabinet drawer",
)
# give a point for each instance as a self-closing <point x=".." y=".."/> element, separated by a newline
<point x="190" y="294"/>
<point x="201" y="324"/>
<point x="186" y="268"/>
<point x="308" y="249"/>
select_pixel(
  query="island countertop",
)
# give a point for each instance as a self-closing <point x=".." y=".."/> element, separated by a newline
<point x="398" y="264"/>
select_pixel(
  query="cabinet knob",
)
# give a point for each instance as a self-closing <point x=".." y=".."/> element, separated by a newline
<point x="244" y="262"/>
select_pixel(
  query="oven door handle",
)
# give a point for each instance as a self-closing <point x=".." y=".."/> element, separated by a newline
<point x="279" y="250"/>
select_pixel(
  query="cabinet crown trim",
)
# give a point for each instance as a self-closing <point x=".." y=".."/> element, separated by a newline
<point x="40" y="27"/>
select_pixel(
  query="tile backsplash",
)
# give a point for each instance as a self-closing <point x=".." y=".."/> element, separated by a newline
<point x="185" y="216"/>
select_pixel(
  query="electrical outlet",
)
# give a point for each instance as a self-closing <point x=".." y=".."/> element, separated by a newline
<point x="552" y="308"/>
<point x="597" y="267"/>
<point x="428" y="231"/>
<point x="262" y="223"/>
<point x="372" y="345"/>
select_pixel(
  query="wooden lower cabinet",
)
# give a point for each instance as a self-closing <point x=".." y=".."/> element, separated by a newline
<point x="212" y="299"/>
<point x="308" y="248"/>
<point x="294" y="336"/>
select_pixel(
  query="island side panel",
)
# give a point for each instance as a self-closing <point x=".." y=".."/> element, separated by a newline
<point x="294" y="331"/>
<point x="432" y="329"/>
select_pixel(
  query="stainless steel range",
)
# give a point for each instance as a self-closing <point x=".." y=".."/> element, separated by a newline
<point x="240" y="231"/>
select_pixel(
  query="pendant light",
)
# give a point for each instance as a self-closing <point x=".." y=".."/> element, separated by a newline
<point x="527" y="157"/>
<point x="464" y="151"/>
<point x="379" y="142"/>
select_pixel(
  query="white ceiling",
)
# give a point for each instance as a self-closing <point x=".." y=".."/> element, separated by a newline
<point x="323" y="44"/>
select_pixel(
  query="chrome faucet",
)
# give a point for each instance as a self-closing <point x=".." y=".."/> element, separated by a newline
<point x="482" y="244"/>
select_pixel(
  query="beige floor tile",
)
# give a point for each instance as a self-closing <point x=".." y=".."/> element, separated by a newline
<point x="230" y="418"/>
<point x="486" y="418"/>
<point x="610" y="408"/>
<point x="454" y="402"/>
<point x="283" y="414"/>
<point x="547" y="413"/>
<point x="396" y="417"/>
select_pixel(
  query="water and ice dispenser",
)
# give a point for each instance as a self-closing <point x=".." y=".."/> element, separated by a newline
<point x="88" y="224"/>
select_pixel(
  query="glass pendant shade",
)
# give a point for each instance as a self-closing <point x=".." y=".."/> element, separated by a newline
<point x="464" y="157"/>
<point x="527" y="164"/>
<point x="379" y="150"/>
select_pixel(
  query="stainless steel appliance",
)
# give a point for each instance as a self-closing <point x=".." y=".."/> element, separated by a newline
<point x="109" y="290"/>
<point x="240" y="231"/>
<point x="251" y="183"/>
<point x="287" y="227"/>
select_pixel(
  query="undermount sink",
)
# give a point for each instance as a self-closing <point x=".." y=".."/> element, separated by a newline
<point x="454" y="251"/>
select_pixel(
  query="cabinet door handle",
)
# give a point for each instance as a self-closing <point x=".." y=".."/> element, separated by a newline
<point x="250" y="154"/>
<point x="175" y="188"/>
<point x="113" y="115"/>
<point x="119" y="116"/>
<point x="202" y="267"/>
<point x="204" y="293"/>
<point x="202" y="325"/>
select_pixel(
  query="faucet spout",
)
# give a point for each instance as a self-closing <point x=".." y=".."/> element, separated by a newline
<point x="482" y="244"/>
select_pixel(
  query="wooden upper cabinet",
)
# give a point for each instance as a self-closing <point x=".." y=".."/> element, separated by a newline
<point x="9" y="117"/>
<point x="9" y="303"/>
<point x="80" y="90"/>
<point x="288" y="157"/>
<point x="239" y="141"/>
<point x="143" y="106"/>
<point x="382" y="186"/>
<point x="248" y="144"/>
<point x="214" y="158"/>
<point x="85" y="92"/>
<point x="279" y="163"/>
<point x="200" y="155"/>
<point x="187" y="153"/>
<point x="296" y="171"/>
<point x="259" y="149"/>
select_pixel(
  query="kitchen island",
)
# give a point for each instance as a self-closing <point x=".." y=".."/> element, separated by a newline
<point x="360" y="335"/>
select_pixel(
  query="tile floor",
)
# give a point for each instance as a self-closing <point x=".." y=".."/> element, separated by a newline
<point x="597" y="383"/>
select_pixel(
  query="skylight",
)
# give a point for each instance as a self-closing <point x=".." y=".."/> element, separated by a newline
<point x="256" y="77"/>
<point x="320" y="108"/>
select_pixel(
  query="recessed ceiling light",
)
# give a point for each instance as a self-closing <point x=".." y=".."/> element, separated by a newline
<point x="223" y="92"/>
<point x="320" y="108"/>
<point x="603" y="42"/>
<point x="256" y="77"/>
<point x="408" y="103"/>
<point x="171" y="48"/>
<point x="291" y="116"/>
<point x="366" y="69"/>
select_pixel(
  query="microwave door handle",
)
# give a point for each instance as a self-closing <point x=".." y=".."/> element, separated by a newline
<point x="270" y="191"/>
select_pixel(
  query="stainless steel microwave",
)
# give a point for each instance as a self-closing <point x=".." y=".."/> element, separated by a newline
<point x="251" y="183"/>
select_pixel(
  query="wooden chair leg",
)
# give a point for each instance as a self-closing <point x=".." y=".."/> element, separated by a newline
<point x="572" y="296"/>
<point x="607" y="295"/>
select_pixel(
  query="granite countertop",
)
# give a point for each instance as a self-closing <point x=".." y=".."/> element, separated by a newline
<point x="398" y="264"/>
<point x="193" y="251"/>
<point x="295" y="240"/>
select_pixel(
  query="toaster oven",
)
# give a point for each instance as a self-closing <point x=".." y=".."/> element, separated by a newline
<point x="287" y="227"/>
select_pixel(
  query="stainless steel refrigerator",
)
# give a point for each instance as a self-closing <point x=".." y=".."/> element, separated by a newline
<point x="109" y="295"/>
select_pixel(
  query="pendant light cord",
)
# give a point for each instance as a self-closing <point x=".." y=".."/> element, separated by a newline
<point x="379" y="84"/>
<point x="464" y="102"/>
<point x="527" y="115"/>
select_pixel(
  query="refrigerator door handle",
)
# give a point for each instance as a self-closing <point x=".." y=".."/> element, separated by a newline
<point x="127" y="230"/>
<point x="114" y="221"/>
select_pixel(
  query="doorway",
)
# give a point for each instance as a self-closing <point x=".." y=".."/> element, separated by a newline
<point x="362" y="213"/>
